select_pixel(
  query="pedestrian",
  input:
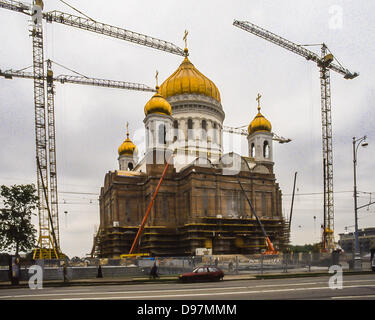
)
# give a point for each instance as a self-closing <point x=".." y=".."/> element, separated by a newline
<point x="65" y="273"/>
<point x="216" y="262"/>
<point x="154" y="271"/>
<point x="230" y="265"/>
<point x="10" y="273"/>
<point x="15" y="271"/>
<point x="100" y="274"/>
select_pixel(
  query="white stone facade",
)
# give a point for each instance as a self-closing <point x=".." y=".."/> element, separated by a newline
<point x="261" y="146"/>
<point x="158" y="131"/>
<point x="197" y="126"/>
<point x="127" y="162"/>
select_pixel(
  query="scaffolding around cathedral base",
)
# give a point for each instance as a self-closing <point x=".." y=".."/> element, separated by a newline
<point x="221" y="235"/>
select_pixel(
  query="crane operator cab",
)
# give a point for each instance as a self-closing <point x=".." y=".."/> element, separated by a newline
<point x="37" y="14"/>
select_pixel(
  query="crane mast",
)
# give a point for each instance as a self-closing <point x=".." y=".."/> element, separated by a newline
<point x="52" y="152"/>
<point x="325" y="64"/>
<point x="48" y="243"/>
<point x="325" y="87"/>
<point x="47" y="247"/>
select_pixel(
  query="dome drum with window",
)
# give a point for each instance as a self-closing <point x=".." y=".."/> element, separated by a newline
<point x="260" y="137"/>
<point x="128" y="153"/>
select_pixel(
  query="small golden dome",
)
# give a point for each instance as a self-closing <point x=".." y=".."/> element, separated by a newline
<point x="259" y="123"/>
<point x="127" y="148"/>
<point x="157" y="104"/>
<point x="187" y="79"/>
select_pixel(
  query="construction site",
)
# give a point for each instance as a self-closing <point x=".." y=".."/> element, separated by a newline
<point x="185" y="196"/>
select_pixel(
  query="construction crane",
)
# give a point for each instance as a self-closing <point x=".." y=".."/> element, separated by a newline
<point x="141" y="227"/>
<point x="51" y="215"/>
<point x="243" y="132"/>
<point x="87" y="24"/>
<point x="44" y="117"/>
<point x="291" y="206"/>
<point x="270" y="248"/>
<point x="64" y="78"/>
<point x="325" y="64"/>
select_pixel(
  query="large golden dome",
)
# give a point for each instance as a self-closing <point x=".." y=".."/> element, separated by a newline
<point x="188" y="79"/>
<point x="259" y="123"/>
<point x="127" y="148"/>
<point x="157" y="104"/>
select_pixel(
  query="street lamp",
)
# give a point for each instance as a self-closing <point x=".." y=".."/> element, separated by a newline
<point x="357" y="255"/>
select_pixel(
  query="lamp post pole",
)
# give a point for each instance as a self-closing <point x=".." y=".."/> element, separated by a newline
<point x="357" y="254"/>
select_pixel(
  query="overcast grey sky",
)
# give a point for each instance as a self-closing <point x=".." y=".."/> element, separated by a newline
<point x="90" y="121"/>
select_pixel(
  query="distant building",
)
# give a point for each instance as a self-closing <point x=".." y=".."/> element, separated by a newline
<point x="366" y="240"/>
<point x="200" y="203"/>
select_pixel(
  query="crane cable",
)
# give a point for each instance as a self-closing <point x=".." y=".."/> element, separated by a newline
<point x="60" y="65"/>
<point x="70" y="6"/>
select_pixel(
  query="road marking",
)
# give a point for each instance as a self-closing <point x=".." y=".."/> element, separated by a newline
<point x="308" y="283"/>
<point x="354" y="297"/>
<point x="217" y="293"/>
<point x="116" y="292"/>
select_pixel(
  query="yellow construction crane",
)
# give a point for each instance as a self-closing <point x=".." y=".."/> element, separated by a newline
<point x="52" y="205"/>
<point x="48" y="244"/>
<point x="325" y="64"/>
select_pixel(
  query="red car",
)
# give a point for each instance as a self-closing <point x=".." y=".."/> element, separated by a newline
<point x="203" y="273"/>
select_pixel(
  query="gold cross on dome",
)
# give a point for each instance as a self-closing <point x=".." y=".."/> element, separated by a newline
<point x="127" y="129"/>
<point x="185" y="38"/>
<point x="258" y="99"/>
<point x="157" y="77"/>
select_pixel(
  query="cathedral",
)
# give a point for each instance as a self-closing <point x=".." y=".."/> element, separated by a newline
<point x="200" y="203"/>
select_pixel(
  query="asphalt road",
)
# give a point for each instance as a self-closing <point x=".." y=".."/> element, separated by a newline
<point x="354" y="287"/>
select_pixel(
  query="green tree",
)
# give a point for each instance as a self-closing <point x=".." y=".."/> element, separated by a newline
<point x="17" y="233"/>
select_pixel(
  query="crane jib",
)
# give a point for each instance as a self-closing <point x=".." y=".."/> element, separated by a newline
<point x="291" y="46"/>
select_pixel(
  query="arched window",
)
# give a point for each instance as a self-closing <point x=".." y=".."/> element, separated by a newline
<point x="204" y="129"/>
<point x="162" y="134"/>
<point x="190" y="129"/>
<point x="252" y="150"/>
<point x="266" y="150"/>
<point x="204" y="125"/>
<point x="130" y="166"/>
<point x="147" y="136"/>
<point x="175" y="131"/>
<point x="215" y="133"/>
